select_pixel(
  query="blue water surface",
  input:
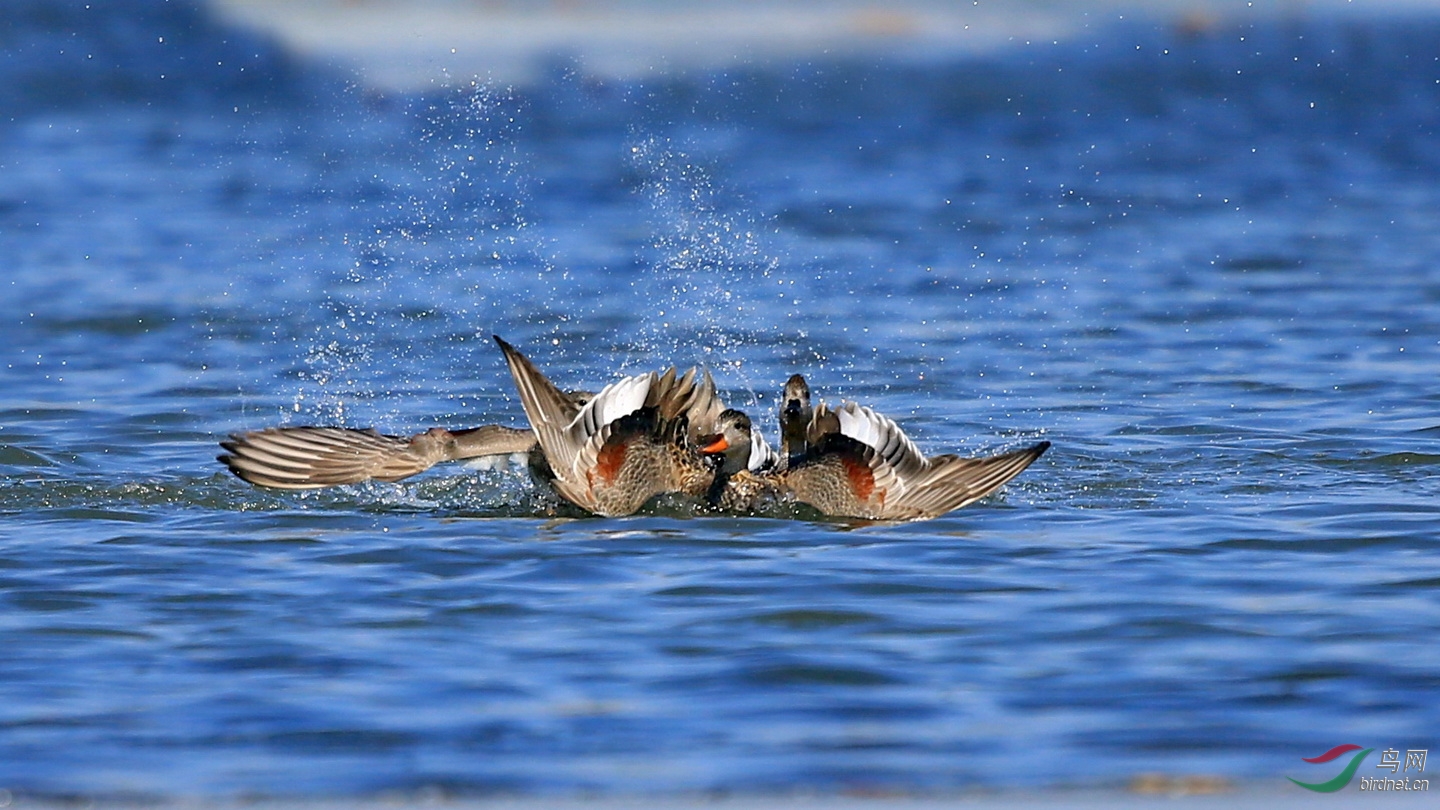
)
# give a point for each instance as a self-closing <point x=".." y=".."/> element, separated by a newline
<point x="1205" y="264"/>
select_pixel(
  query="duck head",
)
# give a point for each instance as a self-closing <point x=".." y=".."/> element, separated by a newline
<point x="795" y="414"/>
<point x="731" y="443"/>
<point x="795" y="402"/>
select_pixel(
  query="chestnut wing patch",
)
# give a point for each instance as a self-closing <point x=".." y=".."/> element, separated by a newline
<point x="860" y="476"/>
<point x="608" y="463"/>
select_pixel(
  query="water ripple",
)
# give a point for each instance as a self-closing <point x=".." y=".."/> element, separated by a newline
<point x="1226" y="561"/>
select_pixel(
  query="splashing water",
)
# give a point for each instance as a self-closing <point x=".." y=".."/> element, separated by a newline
<point x="441" y="230"/>
<point x="707" y="266"/>
<point x="449" y="247"/>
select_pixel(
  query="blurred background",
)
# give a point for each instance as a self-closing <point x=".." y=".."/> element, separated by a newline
<point x="409" y="45"/>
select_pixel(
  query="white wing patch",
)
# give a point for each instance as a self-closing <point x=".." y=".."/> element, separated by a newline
<point x="880" y="433"/>
<point x="618" y="399"/>
<point x="762" y="457"/>
<point x="857" y="423"/>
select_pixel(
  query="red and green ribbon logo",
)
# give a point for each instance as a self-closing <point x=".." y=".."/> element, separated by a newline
<point x="1341" y="779"/>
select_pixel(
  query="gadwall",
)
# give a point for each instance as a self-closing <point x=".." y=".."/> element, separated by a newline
<point x="795" y="414"/>
<point x="640" y="437"/>
<point x="860" y="464"/>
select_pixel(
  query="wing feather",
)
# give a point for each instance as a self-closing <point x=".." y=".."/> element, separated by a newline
<point x="892" y="447"/>
<point x="571" y="435"/>
<point x="315" y="457"/>
<point x="491" y="440"/>
<point x="551" y="413"/>
<point x="905" y="484"/>
<point x="953" y="482"/>
<point x="762" y="456"/>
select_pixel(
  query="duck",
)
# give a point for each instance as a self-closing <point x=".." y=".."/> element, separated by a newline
<point x="639" y="437"/>
<point x="795" y="414"/>
<point x="315" y="457"/>
<point x="858" y="463"/>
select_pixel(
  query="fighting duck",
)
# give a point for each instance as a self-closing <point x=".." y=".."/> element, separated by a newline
<point x="639" y="437"/>
<point x="858" y="463"/>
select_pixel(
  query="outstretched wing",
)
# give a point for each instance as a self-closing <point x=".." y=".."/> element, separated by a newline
<point x="864" y="463"/>
<point x="491" y="440"/>
<point x="315" y="457"/>
<point x="893" y="449"/>
<point x="703" y="406"/>
<point x="952" y="482"/>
